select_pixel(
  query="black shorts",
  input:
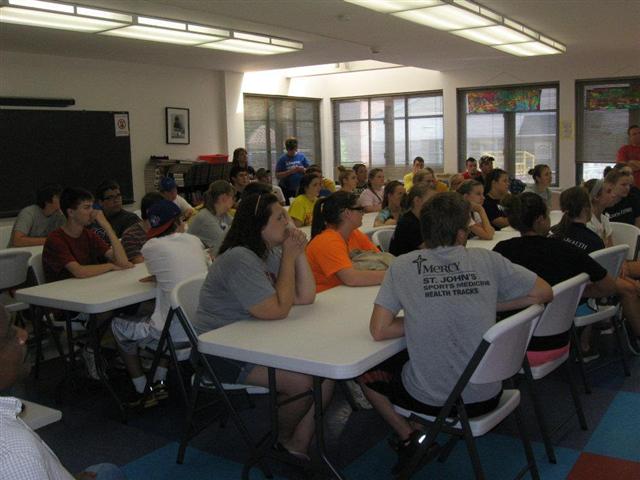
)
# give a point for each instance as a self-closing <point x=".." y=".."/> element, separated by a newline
<point x="398" y="395"/>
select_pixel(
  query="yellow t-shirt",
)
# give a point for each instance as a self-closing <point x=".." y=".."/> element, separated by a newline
<point x="408" y="181"/>
<point x="302" y="209"/>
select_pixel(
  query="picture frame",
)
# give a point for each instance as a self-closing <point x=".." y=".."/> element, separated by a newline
<point x="177" y="125"/>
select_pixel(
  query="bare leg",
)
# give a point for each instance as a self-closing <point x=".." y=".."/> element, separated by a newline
<point x="384" y="407"/>
<point x="303" y="433"/>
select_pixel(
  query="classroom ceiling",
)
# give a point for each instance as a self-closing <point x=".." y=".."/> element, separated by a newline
<point x="334" y="31"/>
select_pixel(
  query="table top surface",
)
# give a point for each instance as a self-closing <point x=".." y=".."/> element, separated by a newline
<point x="38" y="416"/>
<point x="95" y="294"/>
<point x="32" y="250"/>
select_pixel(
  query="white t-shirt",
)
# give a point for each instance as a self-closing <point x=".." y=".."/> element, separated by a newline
<point x="601" y="226"/>
<point x="370" y="198"/>
<point x="172" y="259"/>
<point x="182" y="203"/>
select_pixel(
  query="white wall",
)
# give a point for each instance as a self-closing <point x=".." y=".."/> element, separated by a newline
<point x="142" y="90"/>
<point x="401" y="80"/>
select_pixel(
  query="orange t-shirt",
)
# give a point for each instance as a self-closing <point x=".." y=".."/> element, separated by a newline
<point x="328" y="254"/>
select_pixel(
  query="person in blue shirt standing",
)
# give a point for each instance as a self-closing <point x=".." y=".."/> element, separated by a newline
<point x="290" y="168"/>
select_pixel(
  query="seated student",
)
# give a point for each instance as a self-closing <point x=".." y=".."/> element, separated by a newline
<point x="264" y="176"/>
<point x="576" y="203"/>
<point x="328" y="186"/>
<point x="371" y="198"/>
<point x="455" y="181"/>
<point x="23" y="454"/>
<point x="603" y="195"/>
<point x="627" y="209"/>
<point x="171" y="256"/>
<point x="213" y="221"/>
<point x="541" y="174"/>
<point x="440" y="186"/>
<point x="134" y="237"/>
<point x="418" y="164"/>
<point x="334" y="234"/>
<point x="347" y="179"/>
<point x="301" y="209"/>
<point x="261" y="273"/>
<point x="392" y="201"/>
<point x="109" y="198"/>
<point x="442" y="331"/>
<point x="496" y="187"/>
<point x="479" y="225"/>
<point x="76" y="251"/>
<point x="169" y="190"/>
<point x="362" y="176"/>
<point x="553" y="260"/>
<point x="471" y="172"/>
<point x="35" y="222"/>
<point x="239" y="178"/>
<point x="408" y="236"/>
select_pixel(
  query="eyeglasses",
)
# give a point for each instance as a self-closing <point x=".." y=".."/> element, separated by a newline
<point x="112" y="197"/>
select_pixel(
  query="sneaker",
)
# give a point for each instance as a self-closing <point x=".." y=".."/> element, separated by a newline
<point x="140" y="400"/>
<point x="160" y="390"/>
<point x="633" y="341"/>
<point x="407" y="449"/>
<point x="358" y="395"/>
<point x="90" y="362"/>
<point x="590" y="355"/>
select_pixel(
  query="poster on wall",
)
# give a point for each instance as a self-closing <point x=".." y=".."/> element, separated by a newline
<point x="177" y="125"/>
<point x="121" y="121"/>
<point x="504" y="100"/>
<point x="613" y="98"/>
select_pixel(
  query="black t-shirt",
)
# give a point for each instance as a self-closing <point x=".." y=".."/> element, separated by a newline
<point x="625" y="211"/>
<point x="554" y="261"/>
<point x="122" y="220"/>
<point x="407" y="236"/>
<point x="493" y="209"/>
<point x="581" y="236"/>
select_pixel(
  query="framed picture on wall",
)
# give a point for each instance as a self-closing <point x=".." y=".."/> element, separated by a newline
<point x="177" y="125"/>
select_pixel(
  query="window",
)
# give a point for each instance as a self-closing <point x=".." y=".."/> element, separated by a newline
<point x="518" y="126"/>
<point x="269" y="121"/>
<point x="389" y="131"/>
<point x="604" y="111"/>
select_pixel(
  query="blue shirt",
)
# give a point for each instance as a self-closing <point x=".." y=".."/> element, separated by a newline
<point x="290" y="184"/>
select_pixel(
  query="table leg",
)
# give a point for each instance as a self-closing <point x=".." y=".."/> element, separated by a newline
<point x="319" y="420"/>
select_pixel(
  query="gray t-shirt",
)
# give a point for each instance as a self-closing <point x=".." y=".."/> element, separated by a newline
<point x="449" y="297"/>
<point x="237" y="280"/>
<point x="33" y="223"/>
<point x="545" y="194"/>
<point x="210" y="228"/>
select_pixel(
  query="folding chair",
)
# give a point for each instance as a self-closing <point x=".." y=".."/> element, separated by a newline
<point x="625" y="234"/>
<point x="498" y="358"/>
<point x="611" y="259"/>
<point x="555" y="216"/>
<point x="557" y="318"/>
<point x="382" y="237"/>
<point x="14" y="265"/>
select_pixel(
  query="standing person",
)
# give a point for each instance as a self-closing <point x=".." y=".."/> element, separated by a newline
<point x="486" y="166"/>
<point x="290" y="168"/>
<point x="471" y="170"/>
<point x="35" y="222"/>
<point x="442" y="331"/>
<point x="362" y="177"/>
<point x="334" y="234"/>
<point x="301" y="210"/>
<point x="213" y="221"/>
<point x="371" y="198"/>
<point x="630" y="153"/>
<point x="418" y="164"/>
<point x="241" y="159"/>
<point x="407" y="236"/>
<point x="392" y="201"/>
<point x="541" y="181"/>
<point x="134" y="237"/>
<point x="110" y="200"/>
<point x="496" y="187"/>
<point x="23" y="454"/>
<point x="347" y="179"/>
<point x="76" y="251"/>
<point x="479" y="224"/>
<point x="261" y="273"/>
<point x="239" y="177"/>
<point x="169" y="190"/>
<point x="171" y="256"/>
<point x="264" y="176"/>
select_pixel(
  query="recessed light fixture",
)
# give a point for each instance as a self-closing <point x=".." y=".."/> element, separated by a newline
<point x="65" y="16"/>
<point x="469" y="20"/>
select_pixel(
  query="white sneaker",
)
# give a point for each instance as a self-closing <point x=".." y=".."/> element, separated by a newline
<point x="358" y="395"/>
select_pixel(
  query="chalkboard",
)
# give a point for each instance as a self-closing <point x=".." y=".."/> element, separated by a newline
<point x="73" y="148"/>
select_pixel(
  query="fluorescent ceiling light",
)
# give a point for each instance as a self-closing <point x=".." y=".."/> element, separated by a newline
<point x="445" y="17"/>
<point x="156" y="22"/>
<point x="527" y="49"/>
<point x="390" y="6"/>
<point x="161" y="35"/>
<point x="59" y="21"/>
<point x="218" y="32"/>
<point x="54" y="7"/>
<point x="251" y="37"/>
<point x="92" y="12"/>
<point x="243" y="46"/>
<point x="495" y="35"/>
<point x="287" y="43"/>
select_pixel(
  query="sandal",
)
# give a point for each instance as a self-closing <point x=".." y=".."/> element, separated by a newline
<point x="278" y="447"/>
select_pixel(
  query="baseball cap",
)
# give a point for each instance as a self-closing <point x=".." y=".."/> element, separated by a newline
<point x="262" y="173"/>
<point x="161" y="216"/>
<point x="167" y="184"/>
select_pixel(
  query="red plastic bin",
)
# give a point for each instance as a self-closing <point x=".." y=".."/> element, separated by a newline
<point x="215" y="158"/>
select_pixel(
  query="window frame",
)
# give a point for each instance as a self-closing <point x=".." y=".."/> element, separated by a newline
<point x="509" y="125"/>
